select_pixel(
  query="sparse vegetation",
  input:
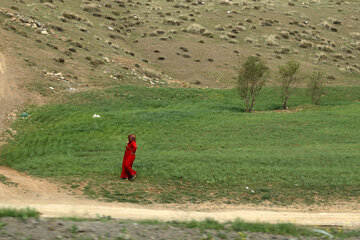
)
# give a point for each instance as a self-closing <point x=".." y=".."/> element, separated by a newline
<point x="143" y="230"/>
<point x="62" y="50"/>
<point x="6" y="181"/>
<point x="19" y="213"/>
<point x="316" y="87"/>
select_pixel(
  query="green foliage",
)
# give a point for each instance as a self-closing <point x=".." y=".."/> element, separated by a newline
<point x="251" y="80"/>
<point x="74" y="229"/>
<point x="207" y="224"/>
<point x="19" y="213"/>
<point x="289" y="77"/>
<point x="2" y="224"/>
<point x="342" y="233"/>
<point x="316" y="87"/>
<point x="281" y="228"/>
<point x="6" y="181"/>
<point x="221" y="235"/>
<point x="103" y="218"/>
<point x="194" y="142"/>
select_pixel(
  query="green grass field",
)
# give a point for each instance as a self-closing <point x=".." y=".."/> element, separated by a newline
<point x="196" y="145"/>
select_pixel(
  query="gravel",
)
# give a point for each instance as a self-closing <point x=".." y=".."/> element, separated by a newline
<point x="13" y="228"/>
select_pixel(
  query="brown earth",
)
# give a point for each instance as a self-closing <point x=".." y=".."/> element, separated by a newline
<point x="51" y="200"/>
<point x="9" y="95"/>
<point x="12" y="92"/>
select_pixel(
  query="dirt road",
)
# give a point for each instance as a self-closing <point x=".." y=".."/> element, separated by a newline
<point x="24" y="191"/>
<point x="10" y="95"/>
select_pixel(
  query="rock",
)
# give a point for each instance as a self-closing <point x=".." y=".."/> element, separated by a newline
<point x="183" y="17"/>
<point x="233" y="41"/>
<point x="346" y="49"/>
<point x="285" y="34"/>
<point x="92" y="8"/>
<point x="285" y="50"/>
<point x="219" y="28"/>
<point x="171" y="22"/>
<point x="355" y="35"/>
<point x="231" y="35"/>
<point x="249" y="40"/>
<point x="339" y="56"/>
<point x="196" y="29"/>
<point x="208" y="34"/>
<point x="44" y="32"/>
<point x="267" y="23"/>
<point x="225" y="2"/>
<point x="106" y="59"/>
<point x="159" y="31"/>
<point x="270" y="41"/>
<point x="325" y="48"/>
<point x="49" y="5"/>
<point x="56" y="27"/>
<point x="305" y="44"/>
<point x="82" y="29"/>
<point x="239" y="29"/>
<point x="96" y="62"/>
<point x="153" y="34"/>
<point x="321" y="56"/>
<point x="357" y="45"/>
<point x="71" y="16"/>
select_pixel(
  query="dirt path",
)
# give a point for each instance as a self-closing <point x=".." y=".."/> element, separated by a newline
<point x="3" y="90"/>
<point x="10" y="95"/>
<point x="52" y="201"/>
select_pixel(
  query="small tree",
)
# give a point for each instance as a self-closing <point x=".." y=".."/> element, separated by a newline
<point x="315" y="86"/>
<point x="289" y="77"/>
<point x="251" y="79"/>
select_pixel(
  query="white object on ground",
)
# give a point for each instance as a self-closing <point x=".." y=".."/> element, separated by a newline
<point x="323" y="232"/>
<point x="96" y="116"/>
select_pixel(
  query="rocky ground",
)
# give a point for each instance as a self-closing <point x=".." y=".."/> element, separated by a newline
<point x="12" y="228"/>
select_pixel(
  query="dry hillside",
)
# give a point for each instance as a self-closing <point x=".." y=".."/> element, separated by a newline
<point x="68" y="45"/>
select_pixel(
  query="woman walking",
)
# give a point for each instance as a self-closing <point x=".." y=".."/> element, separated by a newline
<point x="129" y="157"/>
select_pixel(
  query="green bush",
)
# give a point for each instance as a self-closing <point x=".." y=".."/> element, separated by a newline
<point x="251" y="79"/>
<point x="19" y="213"/>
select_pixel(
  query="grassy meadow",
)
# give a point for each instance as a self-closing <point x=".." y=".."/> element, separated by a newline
<point x="195" y="145"/>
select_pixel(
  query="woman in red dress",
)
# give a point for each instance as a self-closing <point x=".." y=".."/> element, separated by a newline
<point x="129" y="157"/>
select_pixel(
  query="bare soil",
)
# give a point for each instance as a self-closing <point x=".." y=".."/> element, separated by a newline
<point x="9" y="95"/>
<point x="13" y="94"/>
<point x="62" y="229"/>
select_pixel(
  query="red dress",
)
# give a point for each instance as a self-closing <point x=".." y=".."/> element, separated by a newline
<point x="128" y="160"/>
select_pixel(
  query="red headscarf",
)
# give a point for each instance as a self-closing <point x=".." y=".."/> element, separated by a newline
<point x="132" y="137"/>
